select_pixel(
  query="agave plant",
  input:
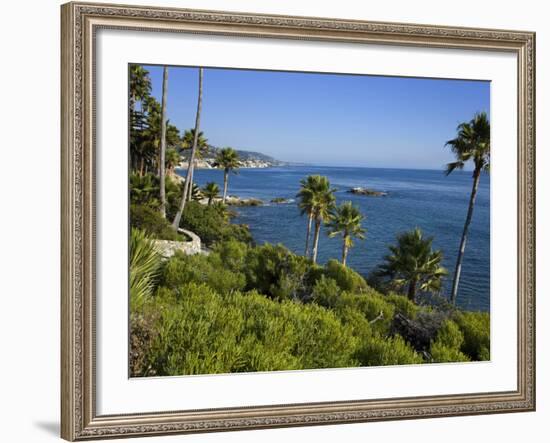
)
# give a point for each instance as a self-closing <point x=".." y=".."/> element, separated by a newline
<point x="144" y="266"/>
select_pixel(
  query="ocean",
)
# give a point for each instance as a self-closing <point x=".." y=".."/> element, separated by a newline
<point x="427" y="199"/>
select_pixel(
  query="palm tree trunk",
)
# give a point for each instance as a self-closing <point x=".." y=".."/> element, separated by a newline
<point x="462" y="248"/>
<point x="177" y="218"/>
<point x="190" y="194"/>
<point x="225" y="180"/>
<point x="316" y="240"/>
<point x="411" y="293"/>
<point x="141" y="167"/>
<point x="345" y="250"/>
<point x="308" y="233"/>
<point x="163" y="144"/>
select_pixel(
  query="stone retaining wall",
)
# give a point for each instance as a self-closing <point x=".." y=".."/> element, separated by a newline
<point x="167" y="248"/>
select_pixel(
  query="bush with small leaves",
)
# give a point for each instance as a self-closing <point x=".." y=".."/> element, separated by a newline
<point x="202" y="332"/>
<point x="181" y="269"/>
<point x="276" y="272"/>
<point x="232" y="254"/>
<point x="151" y="221"/>
<point x="443" y="354"/>
<point x="326" y="292"/>
<point x="447" y="345"/>
<point x="211" y="224"/>
<point x="403" y="305"/>
<point x="373" y="307"/>
<point x="346" y="278"/>
<point x="380" y="351"/>
<point x="476" y="327"/>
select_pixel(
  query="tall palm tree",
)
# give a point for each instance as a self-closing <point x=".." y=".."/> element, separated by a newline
<point x="163" y="143"/>
<point x="345" y="220"/>
<point x="228" y="160"/>
<point x="186" y="187"/>
<point x="211" y="191"/>
<point x="323" y="201"/>
<point x="473" y="142"/>
<point x="202" y="146"/>
<point x="412" y="263"/>
<point x="305" y="203"/>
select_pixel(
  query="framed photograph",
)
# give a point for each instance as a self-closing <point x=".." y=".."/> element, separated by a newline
<point x="277" y="221"/>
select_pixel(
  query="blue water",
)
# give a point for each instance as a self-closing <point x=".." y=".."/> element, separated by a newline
<point x="428" y="199"/>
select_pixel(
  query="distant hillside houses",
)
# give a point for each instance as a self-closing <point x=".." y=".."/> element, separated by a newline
<point x="248" y="159"/>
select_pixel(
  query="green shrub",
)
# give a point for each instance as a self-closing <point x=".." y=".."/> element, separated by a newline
<point x="443" y="354"/>
<point x="202" y="332"/>
<point x="476" y="327"/>
<point x="232" y="254"/>
<point x="151" y="221"/>
<point x="381" y="351"/>
<point x="182" y="269"/>
<point x="447" y="345"/>
<point x="373" y="307"/>
<point x="326" y="292"/>
<point x="403" y="305"/>
<point x="276" y="272"/>
<point x="346" y="278"/>
<point x="450" y="335"/>
<point x="212" y="225"/>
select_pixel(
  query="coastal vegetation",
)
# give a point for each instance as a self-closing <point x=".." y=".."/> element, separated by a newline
<point x="238" y="306"/>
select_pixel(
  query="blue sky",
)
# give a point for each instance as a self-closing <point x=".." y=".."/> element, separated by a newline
<point x="325" y="119"/>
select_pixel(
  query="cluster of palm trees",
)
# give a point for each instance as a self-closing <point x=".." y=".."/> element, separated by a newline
<point x="412" y="262"/>
<point x="155" y="143"/>
<point x="318" y="202"/>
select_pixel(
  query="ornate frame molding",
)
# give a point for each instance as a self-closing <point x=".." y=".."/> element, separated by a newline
<point x="79" y="23"/>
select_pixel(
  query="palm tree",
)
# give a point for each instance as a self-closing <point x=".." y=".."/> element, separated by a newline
<point x="196" y="193"/>
<point x="473" y="142"/>
<point x="322" y="202"/>
<point x="140" y="85"/>
<point x="163" y="143"/>
<point x="202" y="146"/>
<point x="211" y="191"/>
<point x="305" y="203"/>
<point x="412" y="263"/>
<point x="177" y="218"/>
<point x="345" y="220"/>
<point x="171" y="160"/>
<point x="228" y="160"/>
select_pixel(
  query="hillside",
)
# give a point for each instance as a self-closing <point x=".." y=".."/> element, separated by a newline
<point x="248" y="159"/>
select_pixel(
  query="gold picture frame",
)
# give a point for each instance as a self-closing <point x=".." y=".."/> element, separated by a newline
<point x="80" y="21"/>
